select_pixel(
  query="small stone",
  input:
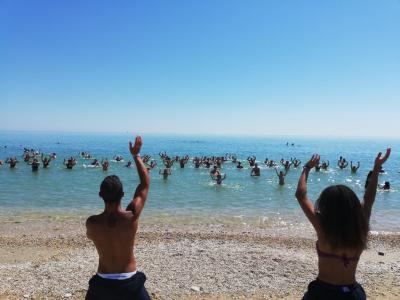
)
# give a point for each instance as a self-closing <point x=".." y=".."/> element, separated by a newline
<point x="26" y="296"/>
<point x="381" y="253"/>
<point x="195" y="288"/>
<point x="68" y="295"/>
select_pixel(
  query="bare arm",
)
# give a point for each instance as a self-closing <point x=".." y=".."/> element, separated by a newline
<point x="301" y="193"/>
<point x="140" y="196"/>
<point x="370" y="193"/>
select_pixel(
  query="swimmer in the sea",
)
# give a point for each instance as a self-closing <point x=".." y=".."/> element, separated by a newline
<point x="165" y="173"/>
<point x="256" y="171"/>
<point x="286" y="164"/>
<point x="196" y="162"/>
<point x="151" y="166"/>
<point x="239" y="165"/>
<point x="354" y="168"/>
<point x="296" y="162"/>
<point x="118" y="158"/>
<point x="281" y="176"/>
<point x="325" y="165"/>
<point x="70" y="163"/>
<point x="12" y="161"/>
<point x="46" y="161"/>
<point x="251" y="160"/>
<point x="342" y="163"/>
<point x="183" y="161"/>
<point x="1" y="162"/>
<point x="105" y="164"/>
<point x="215" y="171"/>
<point x="128" y="164"/>
<point x="35" y="165"/>
<point x="385" y="186"/>
<point x="218" y="178"/>
<point x="95" y="163"/>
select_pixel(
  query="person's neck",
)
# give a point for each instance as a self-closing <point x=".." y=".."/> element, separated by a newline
<point x="112" y="207"/>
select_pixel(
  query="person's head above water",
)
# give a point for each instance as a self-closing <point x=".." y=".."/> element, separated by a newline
<point x="342" y="218"/>
<point x="111" y="190"/>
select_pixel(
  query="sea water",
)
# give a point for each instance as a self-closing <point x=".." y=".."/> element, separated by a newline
<point x="189" y="195"/>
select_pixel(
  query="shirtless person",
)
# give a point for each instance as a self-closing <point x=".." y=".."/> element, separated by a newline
<point x="113" y="233"/>
<point x="281" y="176"/>
<point x="46" y="161"/>
<point x="165" y="173"/>
<point x="256" y="170"/>
<point x="12" y="161"/>
<point x="105" y="164"/>
<point x="354" y="168"/>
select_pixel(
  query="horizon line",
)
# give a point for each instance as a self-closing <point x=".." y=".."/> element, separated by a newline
<point x="214" y="134"/>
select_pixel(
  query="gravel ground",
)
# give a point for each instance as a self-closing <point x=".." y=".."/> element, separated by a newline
<point x="54" y="260"/>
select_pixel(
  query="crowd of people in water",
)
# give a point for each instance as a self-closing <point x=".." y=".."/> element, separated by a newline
<point x="35" y="158"/>
<point x="340" y="219"/>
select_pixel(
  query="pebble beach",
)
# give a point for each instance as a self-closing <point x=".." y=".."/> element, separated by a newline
<point x="53" y="259"/>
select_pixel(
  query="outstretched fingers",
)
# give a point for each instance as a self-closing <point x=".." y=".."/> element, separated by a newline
<point x="381" y="160"/>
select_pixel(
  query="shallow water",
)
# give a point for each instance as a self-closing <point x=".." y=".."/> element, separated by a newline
<point x="189" y="195"/>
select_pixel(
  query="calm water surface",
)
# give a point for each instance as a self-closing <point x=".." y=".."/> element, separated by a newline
<point x="189" y="195"/>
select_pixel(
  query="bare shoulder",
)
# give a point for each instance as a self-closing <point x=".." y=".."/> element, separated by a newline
<point x="92" y="220"/>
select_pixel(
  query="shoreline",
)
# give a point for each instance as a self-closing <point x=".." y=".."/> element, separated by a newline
<point x="54" y="259"/>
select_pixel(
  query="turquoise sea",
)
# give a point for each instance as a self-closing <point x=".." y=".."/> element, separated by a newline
<point x="189" y="195"/>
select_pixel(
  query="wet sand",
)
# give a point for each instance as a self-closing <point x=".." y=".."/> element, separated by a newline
<point x="54" y="260"/>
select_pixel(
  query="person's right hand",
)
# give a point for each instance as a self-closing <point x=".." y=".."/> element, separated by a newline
<point x="379" y="161"/>
<point x="313" y="162"/>
<point x="135" y="149"/>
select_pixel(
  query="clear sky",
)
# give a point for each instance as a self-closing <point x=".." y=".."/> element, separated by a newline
<point x="228" y="67"/>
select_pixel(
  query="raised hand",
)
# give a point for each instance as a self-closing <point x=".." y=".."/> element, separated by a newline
<point x="313" y="162"/>
<point x="135" y="149"/>
<point x="379" y="160"/>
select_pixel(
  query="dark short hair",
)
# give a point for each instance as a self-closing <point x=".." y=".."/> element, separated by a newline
<point x="111" y="189"/>
<point x="342" y="218"/>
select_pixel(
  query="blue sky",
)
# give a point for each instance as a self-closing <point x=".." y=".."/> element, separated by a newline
<point x="227" y="67"/>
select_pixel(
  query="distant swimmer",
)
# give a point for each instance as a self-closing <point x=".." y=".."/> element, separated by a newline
<point x="256" y="171"/>
<point x="342" y="163"/>
<point x="12" y="161"/>
<point x="296" y="162"/>
<point x="215" y="171"/>
<point x="151" y="166"/>
<point x="53" y="155"/>
<point x="1" y="162"/>
<point x="105" y="164"/>
<point x="46" y="161"/>
<point x="286" y="164"/>
<point x="183" y="161"/>
<point x="281" y="176"/>
<point x="354" y="168"/>
<point x="385" y="186"/>
<point x="239" y="165"/>
<point x="165" y="173"/>
<point x="70" y="163"/>
<point x="35" y="165"/>
<point x="196" y="162"/>
<point x="234" y="159"/>
<point x="325" y="165"/>
<point x="251" y="160"/>
<point x="118" y="158"/>
<point x="218" y="178"/>
<point x="128" y="164"/>
<point x="95" y="163"/>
